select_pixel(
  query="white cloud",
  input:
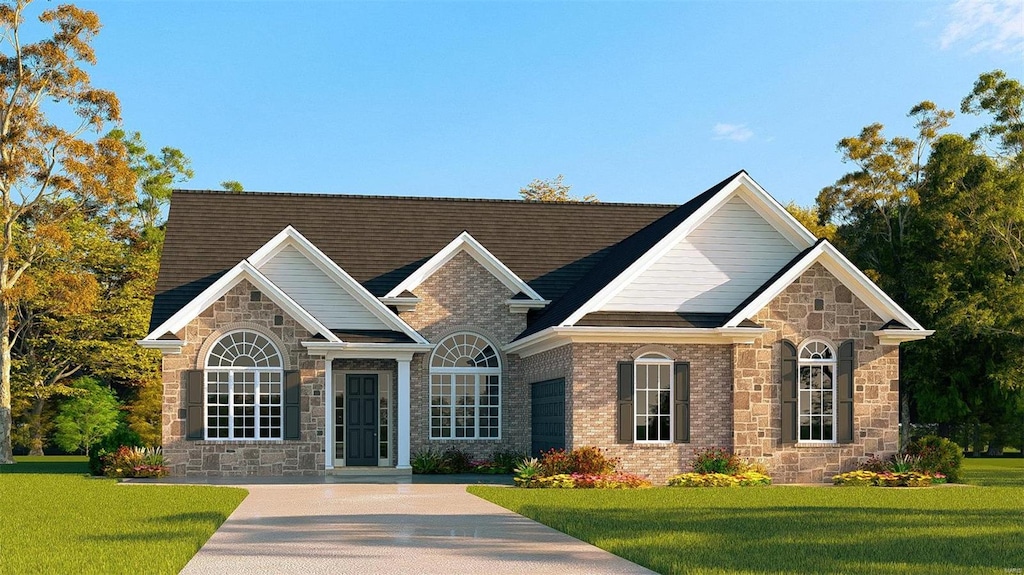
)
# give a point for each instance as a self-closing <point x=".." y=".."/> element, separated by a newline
<point x="734" y="132"/>
<point x="985" y="25"/>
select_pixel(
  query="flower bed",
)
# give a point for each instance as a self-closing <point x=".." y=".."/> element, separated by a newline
<point x="719" y="467"/>
<point x="864" y="478"/>
<point x="135" y="462"/>
<point x="581" y="468"/>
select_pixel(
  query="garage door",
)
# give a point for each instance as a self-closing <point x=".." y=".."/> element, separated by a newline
<point x="548" y="416"/>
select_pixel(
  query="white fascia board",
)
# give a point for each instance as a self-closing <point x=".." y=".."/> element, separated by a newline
<point x="525" y="305"/>
<point x="844" y="270"/>
<point x="773" y="212"/>
<point x="467" y="242"/>
<point x="243" y="271"/>
<point x="291" y="236"/>
<point x="553" y="337"/>
<point x="166" y="346"/>
<point x="898" y="336"/>
<point x="345" y="350"/>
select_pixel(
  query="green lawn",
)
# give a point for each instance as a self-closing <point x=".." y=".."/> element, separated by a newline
<point x="56" y="519"/>
<point x="956" y="529"/>
<point x="995" y="472"/>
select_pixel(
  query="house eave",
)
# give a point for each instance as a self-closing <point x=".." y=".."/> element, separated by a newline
<point x="166" y="346"/>
<point x="525" y="305"/>
<point x="554" y="337"/>
<point x="898" y="336"/>
<point x="356" y="350"/>
<point x="401" y="304"/>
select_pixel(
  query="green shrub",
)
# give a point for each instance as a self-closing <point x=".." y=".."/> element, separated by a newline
<point x="135" y="462"/>
<point x="528" y="469"/>
<point x="121" y="436"/>
<point x="716" y="460"/>
<point x="703" y="480"/>
<point x="507" y="460"/>
<point x="861" y="478"/>
<point x="903" y="462"/>
<point x="428" y="461"/>
<point x="938" y="455"/>
<point x="455" y="460"/>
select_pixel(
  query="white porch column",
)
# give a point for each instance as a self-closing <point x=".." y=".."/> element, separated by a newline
<point x="328" y="413"/>
<point x="404" y="414"/>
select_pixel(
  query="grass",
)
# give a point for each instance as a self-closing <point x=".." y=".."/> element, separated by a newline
<point x="995" y="471"/>
<point x="54" y="518"/>
<point x="792" y="530"/>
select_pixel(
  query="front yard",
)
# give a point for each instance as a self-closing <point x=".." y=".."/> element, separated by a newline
<point x="954" y="529"/>
<point x="56" y="519"/>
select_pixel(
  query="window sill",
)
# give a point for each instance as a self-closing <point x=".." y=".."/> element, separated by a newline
<point x="238" y="442"/>
<point x="657" y="444"/>
<point x="799" y="445"/>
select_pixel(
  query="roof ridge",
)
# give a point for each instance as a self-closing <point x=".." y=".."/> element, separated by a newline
<point x="418" y="198"/>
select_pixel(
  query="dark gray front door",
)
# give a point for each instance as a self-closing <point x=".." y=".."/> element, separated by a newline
<point x="547" y="418"/>
<point x="361" y="413"/>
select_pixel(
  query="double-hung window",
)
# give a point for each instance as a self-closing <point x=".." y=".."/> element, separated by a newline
<point x="652" y="399"/>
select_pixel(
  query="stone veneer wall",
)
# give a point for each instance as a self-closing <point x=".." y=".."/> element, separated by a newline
<point x="389" y="366"/>
<point x="236" y="310"/>
<point x="594" y="403"/>
<point x="792" y="316"/>
<point x="464" y="296"/>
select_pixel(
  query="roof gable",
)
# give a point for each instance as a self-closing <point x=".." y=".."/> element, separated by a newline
<point x="243" y="271"/>
<point x="636" y="254"/>
<point x="465" y="242"/>
<point x="836" y="263"/>
<point x="326" y="290"/>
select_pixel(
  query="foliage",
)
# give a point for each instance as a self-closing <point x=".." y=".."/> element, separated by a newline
<point x="810" y="219"/>
<point x="87" y="417"/>
<point x="583" y="468"/>
<point x="938" y="455"/>
<point x="875" y="464"/>
<point x="528" y="469"/>
<point x="122" y="436"/>
<point x="232" y="186"/>
<point x="425" y="462"/>
<point x="455" y="460"/>
<point x="56" y="167"/>
<point x="610" y="480"/>
<point x="742" y="479"/>
<point x="129" y="461"/>
<point x="507" y="460"/>
<point x="861" y="478"/>
<point x="784" y="530"/>
<point x="903" y="462"/>
<point x="716" y="460"/>
<point x="553" y="190"/>
<point x="110" y="529"/>
<point x="586" y="460"/>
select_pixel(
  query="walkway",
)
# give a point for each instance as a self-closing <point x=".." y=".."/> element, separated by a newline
<point x="389" y="528"/>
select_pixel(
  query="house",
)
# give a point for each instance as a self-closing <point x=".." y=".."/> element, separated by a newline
<point x="307" y="334"/>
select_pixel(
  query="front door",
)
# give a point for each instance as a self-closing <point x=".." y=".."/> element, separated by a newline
<point x="361" y="409"/>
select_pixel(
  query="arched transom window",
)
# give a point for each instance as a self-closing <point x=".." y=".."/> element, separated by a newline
<point x="244" y="374"/>
<point x="816" y="398"/>
<point x="465" y="389"/>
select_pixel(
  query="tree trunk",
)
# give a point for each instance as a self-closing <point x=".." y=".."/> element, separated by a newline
<point x="6" y="455"/>
<point x="976" y="451"/>
<point x="36" y="427"/>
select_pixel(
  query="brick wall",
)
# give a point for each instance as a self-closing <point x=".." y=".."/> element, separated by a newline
<point x="552" y="364"/>
<point x="464" y="296"/>
<point x="593" y="405"/>
<point x="237" y="310"/>
<point x="792" y="315"/>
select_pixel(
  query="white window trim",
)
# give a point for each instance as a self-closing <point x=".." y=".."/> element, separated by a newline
<point x="231" y="393"/>
<point x="656" y="359"/>
<point x="475" y="371"/>
<point x="801" y="363"/>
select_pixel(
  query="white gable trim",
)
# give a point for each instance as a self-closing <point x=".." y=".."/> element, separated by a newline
<point x="291" y="237"/>
<point x="743" y="186"/>
<point x="243" y="271"/>
<point x="844" y="270"/>
<point x="469" y="244"/>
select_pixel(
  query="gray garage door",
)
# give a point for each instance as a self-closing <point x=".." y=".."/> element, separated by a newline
<point x="548" y="416"/>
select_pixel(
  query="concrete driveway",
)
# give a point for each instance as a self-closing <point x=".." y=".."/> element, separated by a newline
<point x="389" y="528"/>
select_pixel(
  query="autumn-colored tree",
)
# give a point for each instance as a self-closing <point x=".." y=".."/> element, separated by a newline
<point x="553" y="190"/>
<point x="51" y="170"/>
<point x="810" y="220"/>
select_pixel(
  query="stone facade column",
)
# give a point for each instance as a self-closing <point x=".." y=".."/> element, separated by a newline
<point x="328" y="413"/>
<point x="404" y="409"/>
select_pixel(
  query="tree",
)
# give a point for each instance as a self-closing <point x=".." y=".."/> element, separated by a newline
<point x="155" y="175"/>
<point x="812" y="221"/>
<point x="51" y="171"/>
<point x="554" y="190"/>
<point x="233" y="186"/>
<point x="87" y="417"/>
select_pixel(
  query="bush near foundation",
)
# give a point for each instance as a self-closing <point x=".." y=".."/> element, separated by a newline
<point x="581" y="468"/>
<point x="719" y="467"/>
<point x="863" y="478"/>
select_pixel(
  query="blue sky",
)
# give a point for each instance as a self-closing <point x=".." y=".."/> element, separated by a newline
<point x="634" y="102"/>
